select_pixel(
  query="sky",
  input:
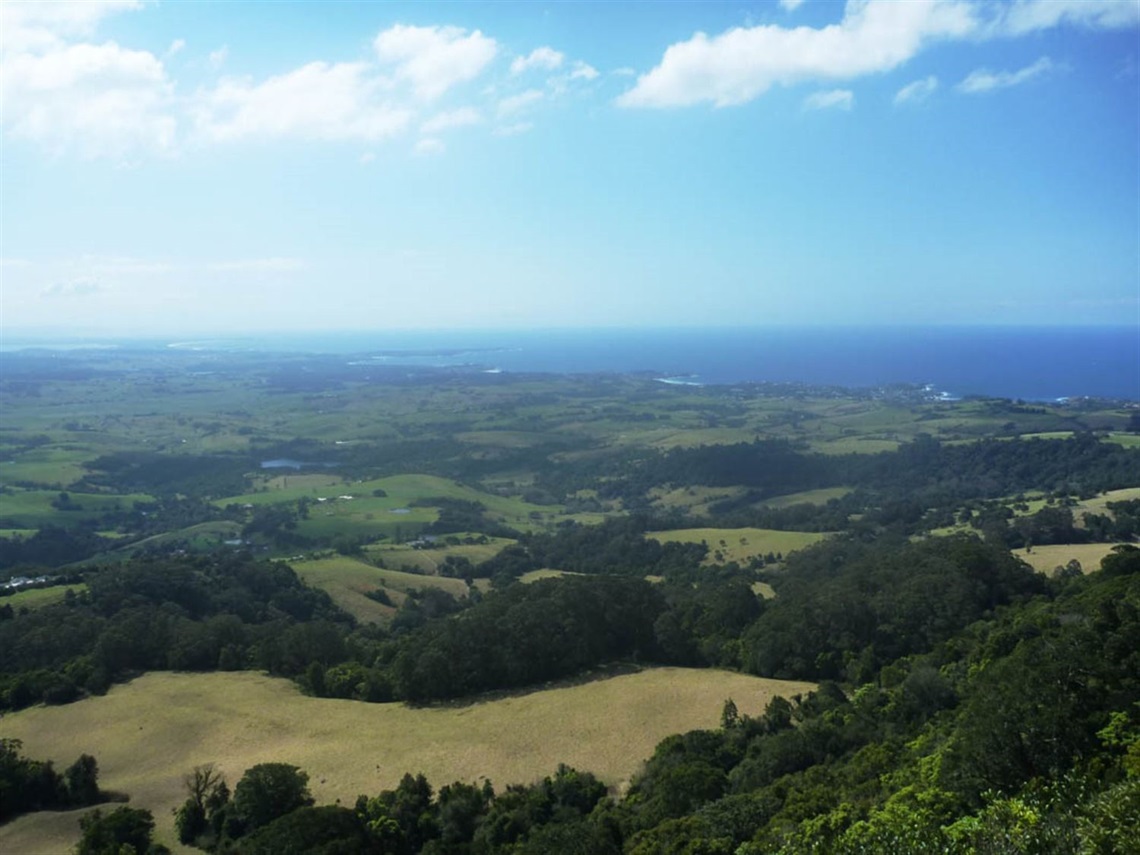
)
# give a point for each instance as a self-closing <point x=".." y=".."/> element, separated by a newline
<point x="177" y="168"/>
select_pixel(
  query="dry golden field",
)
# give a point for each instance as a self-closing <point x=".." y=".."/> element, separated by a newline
<point x="148" y="733"/>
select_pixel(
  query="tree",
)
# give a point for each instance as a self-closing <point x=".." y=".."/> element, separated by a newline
<point x="112" y="833"/>
<point x="206" y="790"/>
<point x="269" y="790"/>
<point x="82" y="781"/>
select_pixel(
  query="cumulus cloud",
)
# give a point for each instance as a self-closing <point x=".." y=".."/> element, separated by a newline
<point x="517" y="103"/>
<point x="451" y="119"/>
<point x="95" y="99"/>
<point x="916" y="92"/>
<point x="434" y="59"/>
<point x="743" y="63"/>
<point x="176" y="47"/>
<point x="834" y="99"/>
<point x="791" y="5"/>
<point x="544" y="58"/>
<point x="36" y="26"/>
<point x="317" y="101"/>
<point x="217" y="58"/>
<point x="984" y="80"/>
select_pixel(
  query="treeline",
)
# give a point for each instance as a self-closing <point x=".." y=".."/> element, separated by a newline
<point x="181" y="613"/>
<point x="614" y="546"/>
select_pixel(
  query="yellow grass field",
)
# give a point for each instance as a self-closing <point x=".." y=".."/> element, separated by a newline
<point x="347" y="580"/>
<point x="1099" y="504"/>
<point x="1044" y="559"/>
<point x="740" y="544"/>
<point x="148" y="733"/>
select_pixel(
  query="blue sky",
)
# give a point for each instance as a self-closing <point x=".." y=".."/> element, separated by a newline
<point x="175" y="168"/>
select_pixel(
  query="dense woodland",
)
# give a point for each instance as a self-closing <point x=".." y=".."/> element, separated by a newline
<point x="967" y="703"/>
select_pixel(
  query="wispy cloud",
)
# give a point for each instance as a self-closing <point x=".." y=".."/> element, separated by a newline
<point x="429" y="146"/>
<point x="916" y="92"/>
<point x="520" y="102"/>
<point x="984" y="80"/>
<point x="459" y="118"/>
<point x="791" y="5"/>
<point x="317" y="101"/>
<point x="544" y="58"/>
<point x="72" y="288"/>
<point x="834" y="99"/>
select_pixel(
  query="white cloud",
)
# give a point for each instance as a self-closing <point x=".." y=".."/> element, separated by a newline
<point x="217" y="58"/>
<point x="583" y="71"/>
<point x="257" y="265"/>
<point x="834" y="99"/>
<point x="316" y="101"/>
<point x="545" y="58"/>
<point x="743" y="63"/>
<point x="367" y="157"/>
<point x="38" y="26"/>
<point x="984" y="80"/>
<point x="96" y="99"/>
<point x="80" y="287"/>
<point x="433" y="59"/>
<point x="517" y="103"/>
<point x="429" y="146"/>
<point x="451" y="119"/>
<point x="791" y="5"/>
<point x="176" y="47"/>
<point x="1027" y="16"/>
<point x="916" y="92"/>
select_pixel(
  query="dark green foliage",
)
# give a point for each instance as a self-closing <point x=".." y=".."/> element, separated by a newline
<point x="326" y="830"/>
<point x="179" y="613"/>
<point x="845" y="609"/>
<point x="268" y="791"/>
<point x="111" y="833"/>
<point x="30" y="785"/>
<point x="528" y="634"/>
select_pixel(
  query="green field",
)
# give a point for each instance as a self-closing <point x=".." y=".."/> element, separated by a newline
<point x="33" y="508"/>
<point x="39" y="597"/>
<point x="148" y="733"/>
<point x="740" y="544"/>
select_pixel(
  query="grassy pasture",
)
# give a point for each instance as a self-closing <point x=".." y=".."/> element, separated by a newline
<point x="1099" y="504"/>
<point x="1044" y="559"/>
<point x="148" y="733"/>
<point x="39" y="597"/>
<point x="16" y="532"/>
<point x="429" y="560"/>
<point x="49" y="466"/>
<point x="855" y="445"/>
<point x="347" y="580"/>
<point x="1128" y="440"/>
<point x="740" y="544"/>
<point x="694" y="499"/>
<point x="810" y="497"/>
<point x="33" y="509"/>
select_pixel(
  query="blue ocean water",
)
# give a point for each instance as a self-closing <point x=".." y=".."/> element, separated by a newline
<point x="1031" y="363"/>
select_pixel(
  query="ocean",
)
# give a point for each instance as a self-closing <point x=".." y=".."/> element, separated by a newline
<point x="1030" y="363"/>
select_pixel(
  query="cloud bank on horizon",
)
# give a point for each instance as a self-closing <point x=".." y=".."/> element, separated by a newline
<point x="127" y="87"/>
